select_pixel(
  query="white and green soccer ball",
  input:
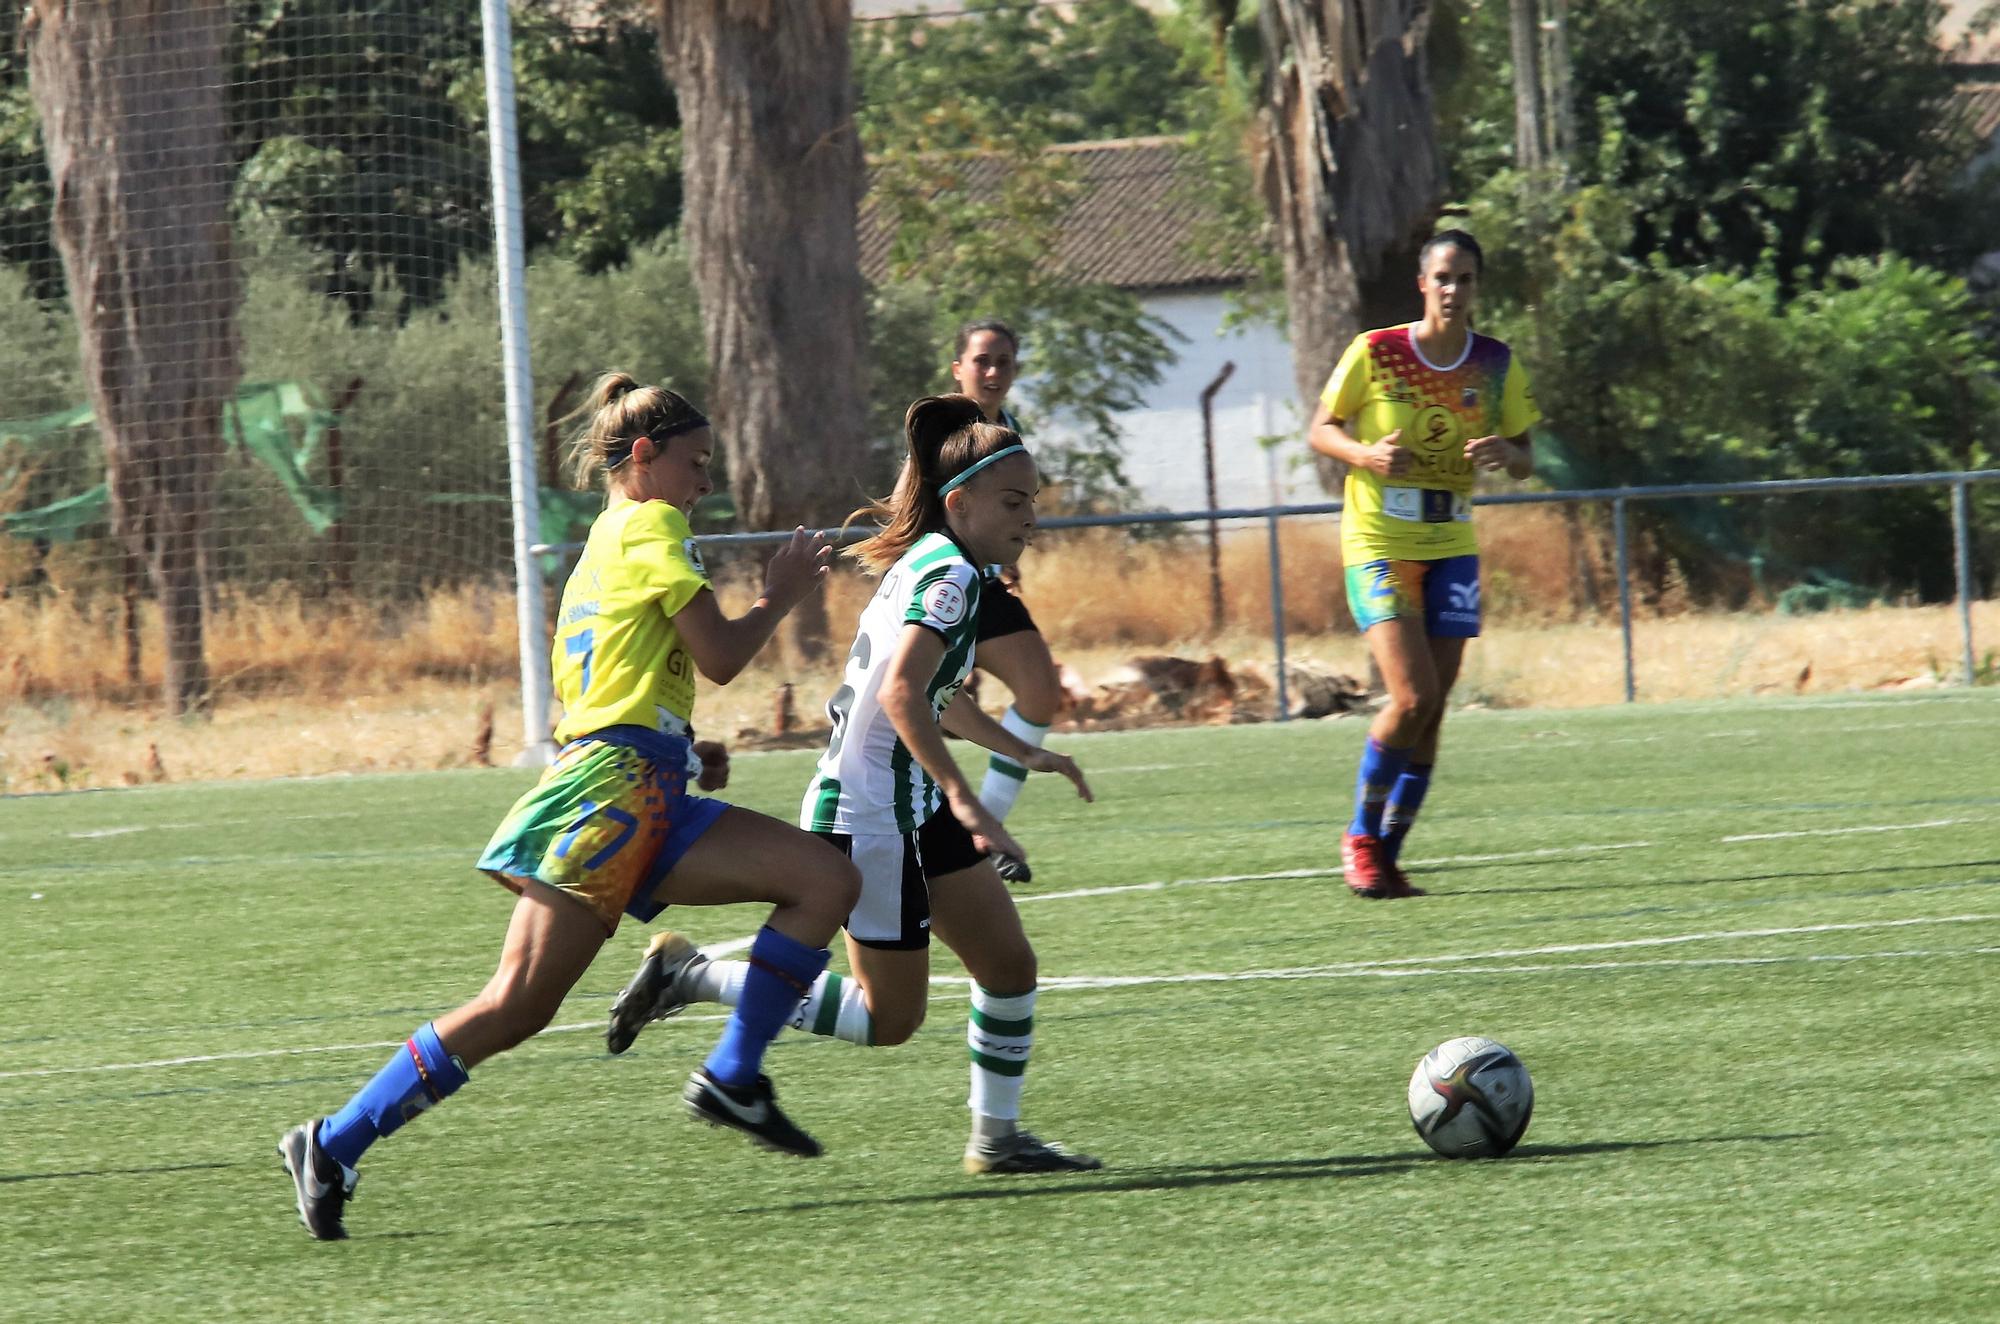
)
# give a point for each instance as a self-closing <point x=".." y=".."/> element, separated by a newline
<point x="1471" y="1098"/>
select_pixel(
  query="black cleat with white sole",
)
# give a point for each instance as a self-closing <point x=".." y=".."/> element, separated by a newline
<point x="751" y="1109"/>
<point x="323" y="1184"/>
<point x="654" y="992"/>
<point x="1025" y="1152"/>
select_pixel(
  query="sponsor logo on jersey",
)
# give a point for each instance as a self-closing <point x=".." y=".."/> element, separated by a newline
<point x="945" y="603"/>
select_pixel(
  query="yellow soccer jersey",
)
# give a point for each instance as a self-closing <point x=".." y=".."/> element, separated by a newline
<point x="618" y="658"/>
<point x="1384" y="383"/>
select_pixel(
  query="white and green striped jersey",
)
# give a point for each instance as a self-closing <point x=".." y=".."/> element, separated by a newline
<point x="867" y="781"/>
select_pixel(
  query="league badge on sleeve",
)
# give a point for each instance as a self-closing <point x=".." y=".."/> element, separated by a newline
<point x="944" y="603"/>
<point x="694" y="556"/>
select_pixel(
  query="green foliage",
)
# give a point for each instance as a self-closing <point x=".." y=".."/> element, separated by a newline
<point x="1652" y="373"/>
<point x="1099" y="69"/>
<point x="423" y="442"/>
<point x="349" y="124"/>
<point x="1767" y="133"/>
<point x="957" y="119"/>
<point x="360" y="131"/>
<point x="599" y="136"/>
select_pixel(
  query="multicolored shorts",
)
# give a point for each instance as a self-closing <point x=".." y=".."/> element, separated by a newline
<point x="1445" y="593"/>
<point x="605" y="824"/>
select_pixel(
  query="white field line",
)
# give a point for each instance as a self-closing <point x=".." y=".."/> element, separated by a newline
<point x="1397" y="967"/>
<point x="1410" y="972"/>
<point x="1563" y="741"/>
<point x="1844" y="831"/>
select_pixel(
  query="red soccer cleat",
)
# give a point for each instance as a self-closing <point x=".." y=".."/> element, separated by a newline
<point x="1361" y="866"/>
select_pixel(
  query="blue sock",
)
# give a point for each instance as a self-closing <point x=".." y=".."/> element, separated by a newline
<point x="1405" y="798"/>
<point x="419" y="1075"/>
<point x="781" y="972"/>
<point x="1380" y="766"/>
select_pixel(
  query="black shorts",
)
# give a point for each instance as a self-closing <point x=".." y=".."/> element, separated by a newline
<point x="1000" y="613"/>
<point x="894" y="912"/>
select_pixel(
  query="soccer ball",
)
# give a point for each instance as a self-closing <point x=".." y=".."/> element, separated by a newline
<point x="1471" y="1098"/>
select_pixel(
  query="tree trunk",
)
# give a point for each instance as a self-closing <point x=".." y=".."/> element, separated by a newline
<point x="130" y="96"/>
<point x="1524" y="24"/>
<point x="1348" y="165"/>
<point x="772" y="173"/>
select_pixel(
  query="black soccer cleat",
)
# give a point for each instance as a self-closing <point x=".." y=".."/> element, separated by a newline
<point x="654" y="993"/>
<point x="1024" y="1152"/>
<point x="751" y="1109"/>
<point x="323" y="1184"/>
<point x="1013" y="869"/>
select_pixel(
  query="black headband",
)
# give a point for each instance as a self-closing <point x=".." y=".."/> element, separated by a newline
<point x="660" y="437"/>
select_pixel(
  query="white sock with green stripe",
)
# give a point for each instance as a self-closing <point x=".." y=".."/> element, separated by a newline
<point x="1000" y="1035"/>
<point x="1004" y="776"/>
<point x="836" y="1008"/>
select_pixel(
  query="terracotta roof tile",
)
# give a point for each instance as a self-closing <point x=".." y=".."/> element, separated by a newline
<point x="1133" y="225"/>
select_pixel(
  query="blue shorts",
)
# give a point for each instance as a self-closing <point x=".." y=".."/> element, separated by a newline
<point x="1444" y="593"/>
<point x="605" y="824"/>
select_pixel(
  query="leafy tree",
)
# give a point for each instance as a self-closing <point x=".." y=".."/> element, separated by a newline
<point x="599" y="133"/>
<point x="957" y="119"/>
<point x="1100" y="69"/>
<point x="346" y="122"/>
<point x="1651" y="373"/>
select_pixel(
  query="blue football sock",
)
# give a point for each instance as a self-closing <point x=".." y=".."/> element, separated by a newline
<point x="419" y="1075"/>
<point x="1405" y="798"/>
<point x="1380" y="766"/>
<point x="782" y="971"/>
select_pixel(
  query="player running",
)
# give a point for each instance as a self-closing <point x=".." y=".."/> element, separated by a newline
<point x="1413" y="411"/>
<point x="610" y="829"/>
<point x="890" y="796"/>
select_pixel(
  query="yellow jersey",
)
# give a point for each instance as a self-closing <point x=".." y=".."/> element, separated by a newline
<point x="618" y="659"/>
<point x="1383" y="383"/>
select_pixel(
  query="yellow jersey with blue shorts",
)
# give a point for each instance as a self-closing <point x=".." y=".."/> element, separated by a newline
<point x="613" y="815"/>
<point x="1394" y="531"/>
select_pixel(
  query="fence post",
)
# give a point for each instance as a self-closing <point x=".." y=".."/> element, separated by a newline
<point x="1277" y="583"/>
<point x="1961" y="542"/>
<point x="1624" y="590"/>
<point x="1208" y="472"/>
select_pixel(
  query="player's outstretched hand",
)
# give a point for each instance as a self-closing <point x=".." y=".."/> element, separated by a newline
<point x="1047" y="760"/>
<point x="799" y="567"/>
<point x="714" y="756"/>
<point x="987" y="833"/>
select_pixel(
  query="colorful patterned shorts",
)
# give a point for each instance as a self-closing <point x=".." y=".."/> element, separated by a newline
<point x="605" y="824"/>
<point x="1445" y="593"/>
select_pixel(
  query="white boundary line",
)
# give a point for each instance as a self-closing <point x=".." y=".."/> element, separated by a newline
<point x="1391" y="968"/>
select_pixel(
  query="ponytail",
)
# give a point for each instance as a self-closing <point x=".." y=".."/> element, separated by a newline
<point x="615" y="415"/>
<point x="948" y="438"/>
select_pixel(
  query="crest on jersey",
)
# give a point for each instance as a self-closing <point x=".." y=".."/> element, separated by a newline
<point x="944" y="602"/>
<point x="694" y="557"/>
<point x="1470" y="399"/>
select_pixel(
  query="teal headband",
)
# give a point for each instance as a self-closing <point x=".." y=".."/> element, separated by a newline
<point x="965" y="475"/>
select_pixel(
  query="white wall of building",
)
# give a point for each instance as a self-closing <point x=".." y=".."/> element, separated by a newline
<point x="1163" y="439"/>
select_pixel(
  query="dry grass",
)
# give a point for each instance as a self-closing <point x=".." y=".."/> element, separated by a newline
<point x="306" y="687"/>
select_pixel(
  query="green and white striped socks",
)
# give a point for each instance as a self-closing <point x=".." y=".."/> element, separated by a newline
<point x="1004" y="776"/>
<point x="836" y="1008"/>
<point x="1000" y="1035"/>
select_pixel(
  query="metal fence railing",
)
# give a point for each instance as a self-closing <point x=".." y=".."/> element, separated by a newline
<point x="1619" y="498"/>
